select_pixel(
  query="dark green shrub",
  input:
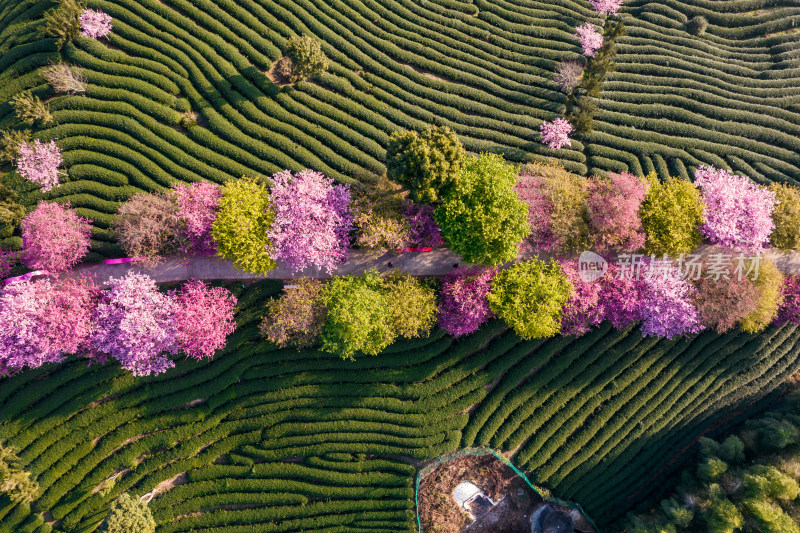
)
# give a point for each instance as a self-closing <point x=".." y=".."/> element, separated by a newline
<point x="697" y="25"/>
<point x="427" y="162"/>
<point x="306" y="56"/>
<point x="129" y="514"/>
<point x="62" y="21"/>
<point x="30" y="109"/>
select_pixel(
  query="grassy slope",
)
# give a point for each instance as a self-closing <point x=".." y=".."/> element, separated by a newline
<point x="730" y="98"/>
<point x="315" y="443"/>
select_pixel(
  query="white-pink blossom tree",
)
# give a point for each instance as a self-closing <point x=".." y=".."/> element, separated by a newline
<point x="95" y="23"/>
<point x="606" y="7"/>
<point x="312" y="219"/>
<point x="136" y="325"/>
<point x="38" y="162"/>
<point x="591" y="39"/>
<point x="54" y="237"/>
<point x="204" y="318"/>
<point x="738" y="211"/>
<point x="555" y="134"/>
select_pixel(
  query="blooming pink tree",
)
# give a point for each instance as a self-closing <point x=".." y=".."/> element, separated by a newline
<point x="591" y="39"/>
<point x="666" y="306"/>
<point x="95" y="23"/>
<point x="197" y="209"/>
<point x="613" y="206"/>
<point x="42" y="321"/>
<point x="8" y="259"/>
<point x="620" y="298"/>
<point x="463" y="306"/>
<point x="423" y="231"/>
<point x="738" y="211"/>
<point x="38" y="162"/>
<point x="789" y="312"/>
<point x="136" y="325"/>
<point x="312" y="220"/>
<point x="582" y="310"/>
<point x="555" y="134"/>
<point x="531" y="190"/>
<point x="203" y="319"/>
<point x="54" y="237"/>
<point x="606" y="7"/>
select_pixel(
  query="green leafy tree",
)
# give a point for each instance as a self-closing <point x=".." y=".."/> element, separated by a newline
<point x="786" y="217"/>
<point x="128" y="515"/>
<point x="529" y="296"/>
<point x="482" y="218"/>
<point x="711" y="468"/>
<point x="359" y="316"/>
<point x="10" y="140"/>
<point x="245" y="214"/>
<point x="427" y="162"/>
<point x="62" y="21"/>
<point x="671" y="216"/>
<point x="769" y="284"/>
<point x="11" y="212"/>
<point x="412" y="305"/>
<point x="306" y="56"/>
<point x="14" y="481"/>
<point x="30" y="109"/>
<point x="723" y="516"/>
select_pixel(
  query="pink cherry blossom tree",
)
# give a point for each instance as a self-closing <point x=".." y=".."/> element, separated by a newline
<point x="136" y="325"/>
<point x="38" y="162"/>
<point x="555" y="134"/>
<point x="423" y="229"/>
<point x="591" y="39"/>
<point x="789" y="311"/>
<point x="463" y="306"/>
<point x="606" y="7"/>
<point x="197" y="210"/>
<point x="8" y="258"/>
<point x="667" y="303"/>
<point x="738" y="211"/>
<point x="620" y="297"/>
<point x="613" y="206"/>
<point x="54" y="237"/>
<point x="95" y="23"/>
<point x="312" y="220"/>
<point x="582" y="310"/>
<point x="42" y="321"/>
<point x="204" y="318"/>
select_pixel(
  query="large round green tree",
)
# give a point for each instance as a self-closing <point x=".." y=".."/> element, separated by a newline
<point x="306" y="56"/>
<point x="427" y="162"/>
<point x="671" y="216"/>
<point x="359" y="316"/>
<point x="482" y="218"/>
<point x="529" y="296"/>
<point x="240" y="229"/>
<point x="129" y="514"/>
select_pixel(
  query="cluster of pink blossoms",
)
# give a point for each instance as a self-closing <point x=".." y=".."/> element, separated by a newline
<point x="666" y="305"/>
<point x="738" y="211"/>
<point x="591" y="39"/>
<point x="38" y="162"/>
<point x="95" y="23"/>
<point x="606" y="7"/>
<point x="312" y="220"/>
<point x="530" y="189"/>
<point x="203" y="319"/>
<point x="463" y="306"/>
<point x="42" y="322"/>
<point x="555" y="134"/>
<point x="197" y="208"/>
<point x="54" y="237"/>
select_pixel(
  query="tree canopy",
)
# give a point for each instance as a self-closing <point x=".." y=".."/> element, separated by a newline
<point x="427" y="162"/>
<point x="481" y="217"/>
